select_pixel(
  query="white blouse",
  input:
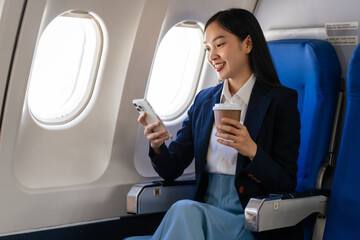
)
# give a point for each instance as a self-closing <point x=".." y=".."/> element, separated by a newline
<point x="221" y="158"/>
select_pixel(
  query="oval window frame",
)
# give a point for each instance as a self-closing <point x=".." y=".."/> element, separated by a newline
<point x="195" y="79"/>
<point x="62" y="119"/>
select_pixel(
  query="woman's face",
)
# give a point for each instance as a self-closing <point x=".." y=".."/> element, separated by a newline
<point x="226" y="53"/>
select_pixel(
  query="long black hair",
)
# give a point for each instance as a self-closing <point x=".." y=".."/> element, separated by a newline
<point x="243" y="23"/>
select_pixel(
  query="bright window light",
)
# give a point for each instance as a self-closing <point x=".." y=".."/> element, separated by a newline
<point x="176" y="70"/>
<point x="64" y="69"/>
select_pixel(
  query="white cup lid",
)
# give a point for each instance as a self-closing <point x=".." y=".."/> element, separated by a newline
<point x="226" y="106"/>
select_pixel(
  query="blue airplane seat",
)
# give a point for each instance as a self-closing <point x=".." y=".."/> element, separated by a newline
<point x="343" y="220"/>
<point x="312" y="68"/>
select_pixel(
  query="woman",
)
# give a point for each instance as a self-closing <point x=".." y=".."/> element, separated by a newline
<point x="251" y="159"/>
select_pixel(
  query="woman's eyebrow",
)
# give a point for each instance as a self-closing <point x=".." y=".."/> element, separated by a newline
<point x="216" y="38"/>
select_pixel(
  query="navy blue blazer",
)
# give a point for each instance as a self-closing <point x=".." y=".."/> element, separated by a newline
<point x="273" y="122"/>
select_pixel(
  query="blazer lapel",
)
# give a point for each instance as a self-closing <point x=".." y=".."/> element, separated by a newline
<point x="258" y="105"/>
<point x="207" y="122"/>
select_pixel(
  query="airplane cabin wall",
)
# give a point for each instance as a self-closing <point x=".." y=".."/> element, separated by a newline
<point x="43" y="194"/>
<point x="279" y="14"/>
<point x="10" y="15"/>
<point x="82" y="170"/>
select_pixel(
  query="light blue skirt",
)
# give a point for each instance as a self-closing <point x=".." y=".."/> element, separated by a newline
<point x="221" y="217"/>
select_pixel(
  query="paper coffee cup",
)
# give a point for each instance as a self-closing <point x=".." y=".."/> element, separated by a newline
<point x="226" y="110"/>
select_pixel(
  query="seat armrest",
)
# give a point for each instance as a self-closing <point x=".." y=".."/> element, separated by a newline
<point x="283" y="210"/>
<point x="154" y="197"/>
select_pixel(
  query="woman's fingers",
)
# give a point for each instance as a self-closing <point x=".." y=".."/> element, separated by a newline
<point x="236" y="135"/>
<point x="157" y="135"/>
<point x="141" y="119"/>
<point x="227" y="136"/>
<point x="229" y="129"/>
<point x="231" y="126"/>
<point x="156" y="139"/>
<point x="232" y="122"/>
<point x="227" y="143"/>
<point x="150" y="128"/>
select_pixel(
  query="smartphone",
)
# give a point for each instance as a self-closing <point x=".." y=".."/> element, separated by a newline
<point x="143" y="105"/>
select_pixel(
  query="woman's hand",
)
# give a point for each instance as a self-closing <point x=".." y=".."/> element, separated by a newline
<point x="156" y="139"/>
<point x="236" y="136"/>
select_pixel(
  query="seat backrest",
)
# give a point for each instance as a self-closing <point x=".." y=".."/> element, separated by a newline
<point x="312" y="68"/>
<point x="343" y="219"/>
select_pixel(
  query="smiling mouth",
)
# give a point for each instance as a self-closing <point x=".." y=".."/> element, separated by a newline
<point x="219" y="66"/>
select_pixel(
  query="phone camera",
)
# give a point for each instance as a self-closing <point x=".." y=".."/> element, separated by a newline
<point x="138" y="107"/>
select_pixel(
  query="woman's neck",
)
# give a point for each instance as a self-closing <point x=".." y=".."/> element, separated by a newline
<point x="236" y="83"/>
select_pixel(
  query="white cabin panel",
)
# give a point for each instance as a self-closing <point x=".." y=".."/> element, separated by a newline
<point x="10" y="16"/>
<point x="53" y="172"/>
<point x="52" y="175"/>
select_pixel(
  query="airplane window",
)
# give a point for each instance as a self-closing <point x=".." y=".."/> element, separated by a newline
<point x="64" y="69"/>
<point x="176" y="70"/>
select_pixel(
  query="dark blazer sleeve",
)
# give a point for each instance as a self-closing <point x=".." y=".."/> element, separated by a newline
<point x="173" y="160"/>
<point x="274" y="166"/>
<point x="275" y="163"/>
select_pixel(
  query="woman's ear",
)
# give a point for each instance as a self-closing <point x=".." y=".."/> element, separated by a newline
<point x="247" y="44"/>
